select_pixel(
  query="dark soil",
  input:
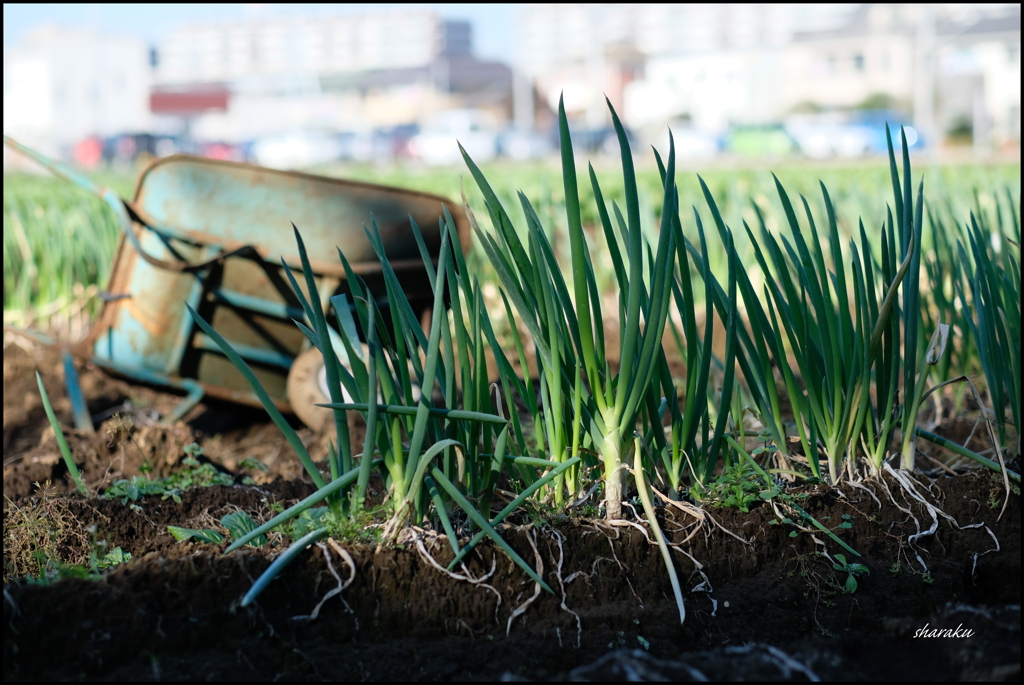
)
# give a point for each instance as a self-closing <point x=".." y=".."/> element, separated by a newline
<point x="761" y="604"/>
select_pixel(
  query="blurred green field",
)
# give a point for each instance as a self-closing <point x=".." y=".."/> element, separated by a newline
<point x="59" y="241"/>
<point x="58" y="245"/>
<point x="857" y="191"/>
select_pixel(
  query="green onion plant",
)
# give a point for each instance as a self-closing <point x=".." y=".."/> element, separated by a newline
<point x="587" y="407"/>
<point x="993" y="280"/>
<point x="437" y="457"/>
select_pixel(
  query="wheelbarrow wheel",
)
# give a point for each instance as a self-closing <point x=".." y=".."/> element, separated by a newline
<point x="307" y="387"/>
<point x="305" y="390"/>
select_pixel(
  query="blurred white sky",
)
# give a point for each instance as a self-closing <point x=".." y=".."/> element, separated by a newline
<point x="493" y="38"/>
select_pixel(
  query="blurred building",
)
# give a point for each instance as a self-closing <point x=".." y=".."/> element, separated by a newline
<point x="871" y="53"/>
<point x="708" y="68"/>
<point x="282" y="46"/>
<point x="62" y="85"/>
<point x="367" y="81"/>
<point x="658" y="62"/>
<point x="349" y="72"/>
<point x="953" y="66"/>
<point x="977" y="79"/>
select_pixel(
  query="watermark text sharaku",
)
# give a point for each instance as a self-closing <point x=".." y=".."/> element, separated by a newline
<point x="958" y="632"/>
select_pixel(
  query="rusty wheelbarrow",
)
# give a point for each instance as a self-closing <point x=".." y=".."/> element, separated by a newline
<point x="214" y="234"/>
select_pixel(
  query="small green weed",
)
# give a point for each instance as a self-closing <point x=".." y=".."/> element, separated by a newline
<point x="362" y="527"/>
<point x="305" y="523"/>
<point x="253" y="464"/>
<point x="52" y="569"/>
<point x="997" y="491"/>
<point x="852" y="571"/>
<point x="542" y="513"/>
<point x="237" y="524"/>
<point x="738" y="486"/>
<point x="211" y="535"/>
<point x="193" y="475"/>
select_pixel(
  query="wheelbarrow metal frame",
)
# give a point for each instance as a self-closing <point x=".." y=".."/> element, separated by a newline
<point x="183" y="240"/>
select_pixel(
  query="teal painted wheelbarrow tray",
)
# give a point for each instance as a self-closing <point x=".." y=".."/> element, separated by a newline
<point x="214" y="234"/>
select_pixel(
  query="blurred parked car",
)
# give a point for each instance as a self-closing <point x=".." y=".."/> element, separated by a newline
<point x="600" y="141"/>
<point x="691" y="143"/>
<point x="399" y="137"/>
<point x="297" y="149"/>
<point x="88" y="152"/>
<point x="139" y="148"/>
<point x="227" y="151"/>
<point x="521" y="144"/>
<point x="875" y="121"/>
<point x="821" y="139"/>
<point x="764" y="140"/>
<point x="440" y="139"/>
<point x="379" y="146"/>
<point x="848" y="134"/>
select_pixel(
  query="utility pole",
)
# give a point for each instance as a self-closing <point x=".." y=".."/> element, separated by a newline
<point x="980" y="128"/>
<point x="924" y="77"/>
<point x="522" y="90"/>
<point x="596" y="109"/>
<point x="522" y="99"/>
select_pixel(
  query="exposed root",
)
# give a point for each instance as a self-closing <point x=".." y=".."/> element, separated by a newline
<point x="852" y="503"/>
<point x="990" y="419"/>
<point x="696" y="526"/>
<point x="907" y="485"/>
<point x="725" y="530"/>
<point x="867" y="490"/>
<point x="977" y="555"/>
<point x="906" y="511"/>
<point x="417" y="538"/>
<point x="574" y="576"/>
<point x="705" y="584"/>
<point x="240" y="562"/>
<point x="615" y="558"/>
<point x="698" y="514"/>
<point x="624" y="523"/>
<point x="342" y="584"/>
<point x="632" y="509"/>
<point x="561" y="584"/>
<point x="598" y="523"/>
<point x="521" y="609"/>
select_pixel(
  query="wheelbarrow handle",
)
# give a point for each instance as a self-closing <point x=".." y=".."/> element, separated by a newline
<point x="123" y="209"/>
